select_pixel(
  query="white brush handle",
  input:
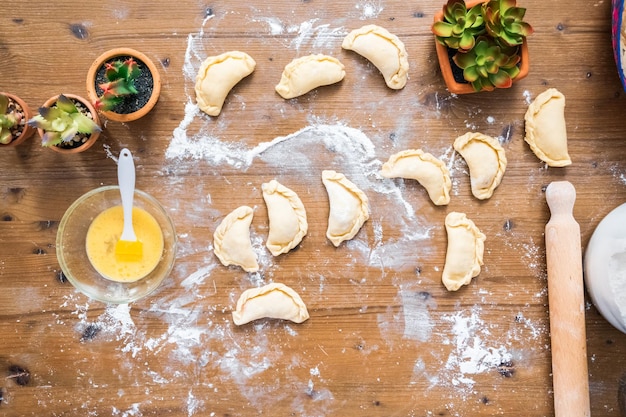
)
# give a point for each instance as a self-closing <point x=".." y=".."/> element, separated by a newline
<point x="570" y="378"/>
<point x="126" y="181"/>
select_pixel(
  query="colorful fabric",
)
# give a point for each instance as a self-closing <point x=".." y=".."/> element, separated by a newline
<point x="616" y="33"/>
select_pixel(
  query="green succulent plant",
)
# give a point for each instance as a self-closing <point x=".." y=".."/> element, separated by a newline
<point x="487" y="39"/>
<point x="8" y="120"/>
<point x="121" y="76"/>
<point x="62" y="121"/>
<point x="460" y="26"/>
<point x="504" y="22"/>
<point x="488" y="65"/>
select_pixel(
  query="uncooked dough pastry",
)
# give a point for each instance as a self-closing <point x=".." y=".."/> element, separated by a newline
<point x="418" y="165"/>
<point x="486" y="161"/>
<point x="217" y="76"/>
<point x="308" y="72"/>
<point x="546" y="132"/>
<point x="382" y="49"/>
<point x="276" y="301"/>
<point x="231" y="240"/>
<point x="605" y="267"/>
<point x="464" y="255"/>
<point x="287" y="218"/>
<point x="349" y="207"/>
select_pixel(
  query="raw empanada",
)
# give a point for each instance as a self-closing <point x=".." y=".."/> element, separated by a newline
<point x="349" y="207"/>
<point x="275" y="301"/>
<point x="464" y="255"/>
<point x="217" y="76"/>
<point x="287" y="217"/>
<point x="231" y="240"/>
<point x="308" y="72"/>
<point x="382" y="49"/>
<point x="418" y="165"/>
<point x="486" y="161"/>
<point x="546" y="132"/>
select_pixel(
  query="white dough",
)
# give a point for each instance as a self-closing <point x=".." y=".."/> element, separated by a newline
<point x="287" y="218"/>
<point x="464" y="255"/>
<point x="349" y="207"/>
<point x="546" y="131"/>
<point x="276" y="301"/>
<point x="605" y="267"/>
<point x="384" y="50"/>
<point x="308" y="72"/>
<point x="231" y="240"/>
<point x="486" y="160"/>
<point x="217" y="76"/>
<point x="429" y="171"/>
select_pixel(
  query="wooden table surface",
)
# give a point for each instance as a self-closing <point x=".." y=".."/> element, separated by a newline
<point x="385" y="338"/>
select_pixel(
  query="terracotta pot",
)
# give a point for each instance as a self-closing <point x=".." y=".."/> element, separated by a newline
<point x="446" y="66"/>
<point x="112" y="54"/>
<point x="92" y="138"/>
<point x="28" y="130"/>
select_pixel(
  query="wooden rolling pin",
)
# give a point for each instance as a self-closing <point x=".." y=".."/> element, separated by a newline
<point x="570" y="378"/>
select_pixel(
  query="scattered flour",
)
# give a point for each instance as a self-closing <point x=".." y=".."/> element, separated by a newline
<point x="193" y="404"/>
<point x="528" y="97"/>
<point x="470" y="356"/>
<point x="531" y="253"/>
<point x="369" y="9"/>
<point x="120" y="13"/>
<point x="418" y="324"/>
<point x="274" y="24"/>
<point x="308" y="34"/>
<point x="318" y="37"/>
<point x="133" y="411"/>
<point x="619" y="173"/>
<point x="345" y="141"/>
<point x="195" y="336"/>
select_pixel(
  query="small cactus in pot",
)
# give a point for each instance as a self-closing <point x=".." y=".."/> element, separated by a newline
<point x="14" y="114"/>
<point x="123" y="84"/>
<point x="67" y="122"/>
<point x="121" y="76"/>
<point x="8" y="120"/>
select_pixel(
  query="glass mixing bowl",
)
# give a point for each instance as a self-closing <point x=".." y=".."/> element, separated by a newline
<point x="72" y="253"/>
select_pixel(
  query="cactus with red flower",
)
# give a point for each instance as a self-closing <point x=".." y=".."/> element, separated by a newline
<point x="120" y="76"/>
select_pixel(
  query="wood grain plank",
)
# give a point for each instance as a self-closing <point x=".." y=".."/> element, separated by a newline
<point x="385" y="338"/>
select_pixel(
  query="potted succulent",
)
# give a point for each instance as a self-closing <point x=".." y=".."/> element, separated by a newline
<point x="67" y="123"/>
<point x="481" y="44"/>
<point x="123" y="84"/>
<point x="14" y="115"/>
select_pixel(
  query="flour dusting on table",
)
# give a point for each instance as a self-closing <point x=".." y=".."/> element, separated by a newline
<point x="201" y="346"/>
<point x="369" y="9"/>
<point x="470" y="355"/>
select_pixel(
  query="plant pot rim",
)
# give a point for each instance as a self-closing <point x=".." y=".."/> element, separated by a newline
<point x="92" y="138"/>
<point x="113" y="53"/>
<point x="446" y="69"/>
<point x="28" y="130"/>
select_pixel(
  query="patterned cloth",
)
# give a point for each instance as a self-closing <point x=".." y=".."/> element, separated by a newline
<point x="616" y="35"/>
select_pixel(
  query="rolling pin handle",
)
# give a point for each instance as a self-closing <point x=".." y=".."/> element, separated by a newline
<point x="560" y="196"/>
